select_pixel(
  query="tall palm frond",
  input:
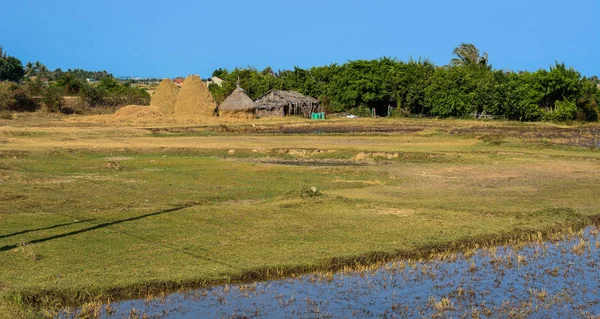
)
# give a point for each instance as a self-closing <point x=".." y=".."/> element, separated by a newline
<point x="468" y="54"/>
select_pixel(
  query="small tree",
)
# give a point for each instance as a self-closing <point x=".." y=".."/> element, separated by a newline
<point x="70" y="83"/>
<point x="11" y="68"/>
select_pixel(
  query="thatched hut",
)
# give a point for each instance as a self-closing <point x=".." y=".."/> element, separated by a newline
<point x="237" y="105"/>
<point x="282" y="103"/>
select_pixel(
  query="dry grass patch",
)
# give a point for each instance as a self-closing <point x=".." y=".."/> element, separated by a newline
<point x="400" y="212"/>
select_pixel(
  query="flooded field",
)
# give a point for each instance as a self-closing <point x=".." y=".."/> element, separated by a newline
<point x="556" y="277"/>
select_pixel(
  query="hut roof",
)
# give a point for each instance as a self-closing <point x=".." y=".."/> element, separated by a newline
<point x="288" y="96"/>
<point x="268" y="105"/>
<point x="238" y="101"/>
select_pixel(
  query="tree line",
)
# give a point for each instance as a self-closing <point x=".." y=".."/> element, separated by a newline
<point x="39" y="70"/>
<point x="468" y="85"/>
<point x="34" y="87"/>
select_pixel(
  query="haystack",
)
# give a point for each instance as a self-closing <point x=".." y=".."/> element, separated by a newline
<point x="165" y="96"/>
<point x="237" y="105"/>
<point x="194" y="99"/>
<point x="139" y="112"/>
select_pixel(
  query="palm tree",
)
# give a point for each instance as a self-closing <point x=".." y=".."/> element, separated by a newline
<point x="29" y="69"/>
<point x="468" y="54"/>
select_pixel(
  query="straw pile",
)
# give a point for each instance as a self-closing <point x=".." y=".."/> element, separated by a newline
<point x="170" y="105"/>
<point x="194" y="99"/>
<point x="165" y="97"/>
<point x="138" y="112"/>
<point x="237" y="105"/>
<point x="236" y="115"/>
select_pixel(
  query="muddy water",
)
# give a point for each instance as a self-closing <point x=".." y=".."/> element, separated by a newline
<point x="559" y="279"/>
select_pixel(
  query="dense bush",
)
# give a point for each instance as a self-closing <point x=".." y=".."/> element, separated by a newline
<point x="15" y="98"/>
<point x="109" y="92"/>
<point x="562" y="111"/>
<point x="460" y="91"/>
<point x="35" y="87"/>
<point x="52" y="98"/>
<point x="69" y="95"/>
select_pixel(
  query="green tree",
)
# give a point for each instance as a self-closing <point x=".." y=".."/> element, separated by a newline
<point x="70" y="83"/>
<point x="364" y="83"/>
<point x="110" y="84"/>
<point x="409" y="84"/>
<point x="28" y="69"/>
<point x="322" y="89"/>
<point x="220" y="73"/>
<point x="521" y="96"/>
<point x="11" y="68"/>
<point x="560" y="84"/>
<point x="460" y="91"/>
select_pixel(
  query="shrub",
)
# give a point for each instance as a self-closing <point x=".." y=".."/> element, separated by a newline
<point x="563" y="111"/>
<point x="399" y="112"/>
<point x="6" y="95"/>
<point x="15" y="98"/>
<point x="361" y="111"/>
<point x="52" y="98"/>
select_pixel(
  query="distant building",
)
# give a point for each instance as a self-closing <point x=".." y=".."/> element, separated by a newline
<point x="178" y="81"/>
<point x="43" y="80"/>
<point x="216" y="80"/>
<point x="282" y="103"/>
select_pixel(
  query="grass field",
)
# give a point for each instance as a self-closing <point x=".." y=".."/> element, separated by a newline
<point x="92" y="212"/>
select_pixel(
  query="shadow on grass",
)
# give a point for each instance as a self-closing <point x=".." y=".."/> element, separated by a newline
<point x="112" y="223"/>
<point x="45" y="228"/>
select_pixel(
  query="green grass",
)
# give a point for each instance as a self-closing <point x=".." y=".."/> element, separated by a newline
<point x="73" y="229"/>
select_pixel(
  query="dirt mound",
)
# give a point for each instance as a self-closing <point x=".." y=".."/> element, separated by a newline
<point x="165" y="97"/>
<point x="194" y="99"/>
<point x="138" y="112"/>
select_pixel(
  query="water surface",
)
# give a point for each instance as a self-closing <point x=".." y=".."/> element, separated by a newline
<point x="552" y="279"/>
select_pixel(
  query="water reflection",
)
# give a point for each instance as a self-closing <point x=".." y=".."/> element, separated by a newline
<point x="540" y="280"/>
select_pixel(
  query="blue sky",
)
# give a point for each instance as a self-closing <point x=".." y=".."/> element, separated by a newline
<point x="176" y="38"/>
